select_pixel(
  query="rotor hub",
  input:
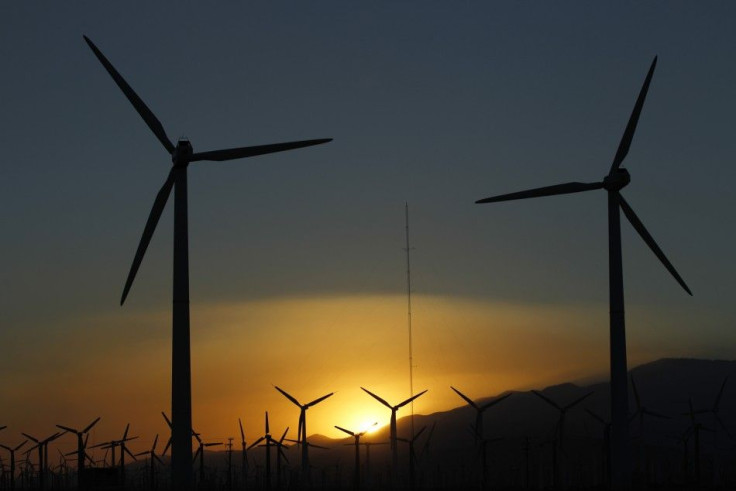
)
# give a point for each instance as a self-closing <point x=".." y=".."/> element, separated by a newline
<point x="616" y="180"/>
<point x="182" y="152"/>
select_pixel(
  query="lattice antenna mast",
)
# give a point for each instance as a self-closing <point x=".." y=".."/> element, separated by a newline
<point x="408" y="300"/>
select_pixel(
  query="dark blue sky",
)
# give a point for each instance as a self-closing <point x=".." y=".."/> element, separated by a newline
<point x="434" y="103"/>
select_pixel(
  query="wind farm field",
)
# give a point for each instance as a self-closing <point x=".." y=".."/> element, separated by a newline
<point x="683" y="416"/>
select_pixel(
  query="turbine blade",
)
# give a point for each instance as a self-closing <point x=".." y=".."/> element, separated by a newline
<point x="158" y="208"/>
<point x="410" y="399"/>
<point x="644" y="234"/>
<point x="125" y="434"/>
<point x="495" y="401"/>
<point x="317" y="401"/>
<point x="720" y="393"/>
<point x="567" y="188"/>
<point x="465" y="398"/>
<point x="281" y="452"/>
<point x="547" y="399"/>
<point x="71" y="430"/>
<point x="267" y="431"/>
<point x="596" y="416"/>
<point x="138" y="104"/>
<point x="242" y="433"/>
<point x="419" y="433"/>
<point x="284" y="435"/>
<point x="623" y="147"/>
<point x="345" y="431"/>
<point x="155" y="441"/>
<point x="292" y="399"/>
<point x="125" y="449"/>
<point x="243" y="152"/>
<point x="377" y="398"/>
<point x="29" y="437"/>
<point x="196" y="454"/>
<point x="636" y="393"/>
<point x="168" y="444"/>
<point x="89" y="426"/>
<point x="168" y="421"/>
<point x="256" y="442"/>
<point x="577" y="401"/>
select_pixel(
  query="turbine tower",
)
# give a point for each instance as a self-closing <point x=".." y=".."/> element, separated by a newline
<point x="394" y="436"/>
<point x="616" y="180"/>
<point x="181" y="156"/>
<point x="302" y="428"/>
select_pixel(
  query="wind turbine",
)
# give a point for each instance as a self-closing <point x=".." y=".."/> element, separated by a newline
<point x="81" y="444"/>
<point x="412" y="455"/>
<point x="641" y="412"/>
<point x="479" y="410"/>
<point x="393" y="435"/>
<point x="559" y="429"/>
<point x="302" y="428"/>
<point x="12" y="451"/>
<point x="270" y="441"/>
<point x="43" y="453"/>
<point x="112" y="444"/>
<point x="356" y="436"/>
<point x="616" y="180"/>
<point x="152" y="457"/>
<point x="244" y="454"/>
<point x="181" y="156"/>
<point x="200" y="453"/>
<point x="714" y="409"/>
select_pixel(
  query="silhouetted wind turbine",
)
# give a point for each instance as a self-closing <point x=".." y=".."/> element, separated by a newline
<point x="394" y="447"/>
<point x="559" y="429"/>
<point x="43" y="453"/>
<point x="112" y="444"/>
<point x="616" y="179"/>
<point x="244" y="460"/>
<point x="200" y="453"/>
<point x="479" y="410"/>
<point x="152" y="457"/>
<point x="302" y="428"/>
<point x="81" y="444"/>
<point x="12" y="451"/>
<point x="269" y="442"/>
<point x="181" y="156"/>
<point x="412" y="455"/>
<point x="356" y="437"/>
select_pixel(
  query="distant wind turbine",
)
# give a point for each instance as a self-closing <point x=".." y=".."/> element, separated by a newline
<point x="200" y="453"/>
<point x="152" y="459"/>
<point x="112" y="444"/>
<point x="412" y="455"/>
<point x="559" y="433"/>
<point x="81" y="452"/>
<point x="356" y="436"/>
<point x="616" y="180"/>
<point x="181" y="156"/>
<point x="244" y="454"/>
<point x="43" y="454"/>
<point x="302" y="428"/>
<point x="12" y="451"/>
<point x="269" y="442"/>
<point x="479" y="410"/>
<point x="393" y="435"/>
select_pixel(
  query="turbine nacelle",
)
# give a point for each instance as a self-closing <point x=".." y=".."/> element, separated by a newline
<point x="616" y="180"/>
<point x="182" y="153"/>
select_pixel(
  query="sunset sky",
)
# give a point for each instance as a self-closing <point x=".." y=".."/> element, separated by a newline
<point x="297" y="268"/>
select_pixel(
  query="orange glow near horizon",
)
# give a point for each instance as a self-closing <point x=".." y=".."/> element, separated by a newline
<point x="309" y="347"/>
